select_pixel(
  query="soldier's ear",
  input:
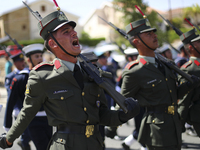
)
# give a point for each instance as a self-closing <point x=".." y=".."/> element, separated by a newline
<point x="191" y="48"/>
<point x="28" y="60"/>
<point x="135" y="41"/>
<point x="52" y="43"/>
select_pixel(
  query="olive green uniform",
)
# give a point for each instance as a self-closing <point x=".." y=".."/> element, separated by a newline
<point x="189" y="106"/>
<point x="53" y="86"/>
<point x="143" y="81"/>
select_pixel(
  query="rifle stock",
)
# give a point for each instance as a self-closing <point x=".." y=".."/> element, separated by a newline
<point x="95" y="75"/>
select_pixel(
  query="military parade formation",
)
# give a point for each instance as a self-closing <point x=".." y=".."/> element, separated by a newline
<point x="83" y="98"/>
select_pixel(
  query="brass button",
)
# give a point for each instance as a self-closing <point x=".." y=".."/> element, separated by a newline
<point x="87" y="121"/>
<point x="153" y="85"/>
<point x="166" y="79"/>
<point x="170" y="91"/>
<point x="85" y="109"/>
<point x="83" y="93"/>
<point x="62" y="98"/>
<point x="98" y="95"/>
<point x="153" y="121"/>
<point x="61" y="140"/>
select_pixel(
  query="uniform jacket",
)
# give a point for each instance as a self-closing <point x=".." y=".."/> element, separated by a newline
<point x="53" y="86"/>
<point x="189" y="106"/>
<point x="144" y="82"/>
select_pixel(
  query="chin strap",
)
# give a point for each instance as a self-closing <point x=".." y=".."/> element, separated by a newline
<point x="194" y="48"/>
<point x="61" y="46"/>
<point x="31" y="61"/>
<point x="145" y="43"/>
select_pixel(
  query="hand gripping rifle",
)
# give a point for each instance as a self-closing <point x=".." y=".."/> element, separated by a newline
<point x="95" y="75"/>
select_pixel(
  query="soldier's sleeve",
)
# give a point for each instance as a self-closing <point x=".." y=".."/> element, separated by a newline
<point x="34" y="98"/>
<point x="130" y="85"/>
<point x="13" y="96"/>
<point x="185" y="101"/>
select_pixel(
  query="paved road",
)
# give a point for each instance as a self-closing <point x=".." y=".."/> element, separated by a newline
<point x="123" y="131"/>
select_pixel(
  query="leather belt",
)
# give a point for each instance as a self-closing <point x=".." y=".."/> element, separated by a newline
<point x="88" y="130"/>
<point x="162" y="109"/>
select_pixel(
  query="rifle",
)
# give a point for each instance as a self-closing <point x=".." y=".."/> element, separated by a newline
<point x="96" y="76"/>
<point x="14" y="41"/>
<point x="35" y="14"/>
<point x="173" y="27"/>
<point x="122" y="32"/>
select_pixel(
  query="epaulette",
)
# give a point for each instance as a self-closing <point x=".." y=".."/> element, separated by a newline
<point x="196" y="62"/>
<point x="186" y="64"/>
<point x="43" y="64"/>
<point x="131" y="64"/>
<point x="143" y="61"/>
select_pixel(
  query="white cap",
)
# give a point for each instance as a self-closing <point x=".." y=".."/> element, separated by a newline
<point x="180" y="46"/>
<point x="131" y="51"/>
<point x="163" y="48"/>
<point x="32" y="49"/>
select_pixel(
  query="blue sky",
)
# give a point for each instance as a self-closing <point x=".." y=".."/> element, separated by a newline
<point x="83" y="8"/>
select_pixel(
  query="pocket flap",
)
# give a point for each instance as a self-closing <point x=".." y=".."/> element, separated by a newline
<point x="62" y="95"/>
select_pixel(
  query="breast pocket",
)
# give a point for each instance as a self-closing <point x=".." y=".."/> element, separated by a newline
<point x="58" y="102"/>
<point x="152" y="86"/>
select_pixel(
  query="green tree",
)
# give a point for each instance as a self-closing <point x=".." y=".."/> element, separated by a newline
<point x="193" y="11"/>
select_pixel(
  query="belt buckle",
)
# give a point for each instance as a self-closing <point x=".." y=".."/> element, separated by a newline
<point x="89" y="130"/>
<point x="171" y="110"/>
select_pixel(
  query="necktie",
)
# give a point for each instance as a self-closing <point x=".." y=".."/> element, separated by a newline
<point x="160" y="66"/>
<point x="78" y="76"/>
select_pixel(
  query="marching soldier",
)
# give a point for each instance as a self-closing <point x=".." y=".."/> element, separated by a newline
<point x="189" y="106"/>
<point x="154" y="85"/>
<point x="19" y="63"/>
<point x="182" y="57"/>
<point x="73" y="103"/>
<point x="165" y="51"/>
<point x="38" y="130"/>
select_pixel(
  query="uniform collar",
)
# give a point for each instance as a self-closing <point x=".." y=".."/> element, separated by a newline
<point x="195" y="58"/>
<point x="147" y="58"/>
<point x="70" y="65"/>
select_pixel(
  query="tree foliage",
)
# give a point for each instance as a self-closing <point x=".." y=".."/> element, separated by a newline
<point x="193" y="12"/>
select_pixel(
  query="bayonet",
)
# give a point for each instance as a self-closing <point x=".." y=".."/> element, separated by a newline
<point x="35" y="14"/>
<point x="173" y="27"/>
<point x="14" y="41"/>
<point x="122" y="32"/>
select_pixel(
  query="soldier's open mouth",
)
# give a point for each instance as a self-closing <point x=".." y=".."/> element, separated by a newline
<point x="75" y="43"/>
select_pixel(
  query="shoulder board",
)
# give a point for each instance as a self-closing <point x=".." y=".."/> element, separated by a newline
<point x="143" y="61"/>
<point x="43" y="64"/>
<point x="196" y="62"/>
<point x="186" y="64"/>
<point x="131" y="64"/>
<point x="25" y="71"/>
